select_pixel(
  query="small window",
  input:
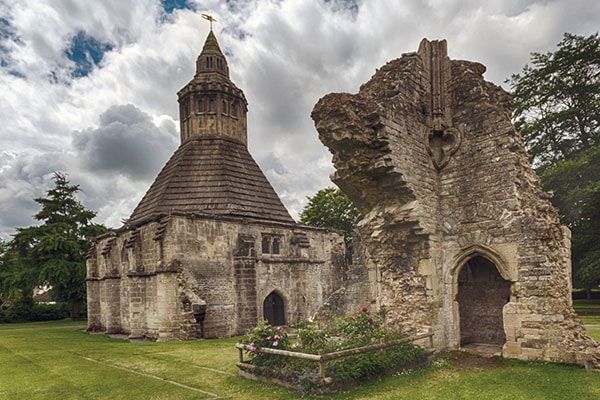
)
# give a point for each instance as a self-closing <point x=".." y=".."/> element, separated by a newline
<point x="233" y="110"/>
<point x="200" y="106"/>
<point x="185" y="108"/>
<point x="211" y="105"/>
<point x="266" y="245"/>
<point x="276" y="245"/>
<point x="223" y="107"/>
<point x="209" y="62"/>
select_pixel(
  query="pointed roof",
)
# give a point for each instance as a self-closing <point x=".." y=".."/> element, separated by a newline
<point x="211" y="59"/>
<point x="211" y="45"/>
<point x="212" y="175"/>
<point x="212" y="171"/>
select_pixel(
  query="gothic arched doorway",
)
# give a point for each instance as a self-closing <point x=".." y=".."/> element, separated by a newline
<point x="274" y="309"/>
<point x="482" y="293"/>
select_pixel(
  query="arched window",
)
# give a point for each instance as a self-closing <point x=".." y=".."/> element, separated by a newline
<point x="276" y="242"/>
<point x="233" y="110"/>
<point x="223" y="107"/>
<point x="266" y="245"/>
<point x="200" y="106"/>
<point x="211" y="105"/>
<point x="209" y="62"/>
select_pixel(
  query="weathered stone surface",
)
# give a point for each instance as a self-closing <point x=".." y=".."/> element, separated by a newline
<point x="210" y="250"/>
<point x="427" y="152"/>
<point x="154" y="288"/>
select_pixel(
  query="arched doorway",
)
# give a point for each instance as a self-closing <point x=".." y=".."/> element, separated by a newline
<point x="482" y="293"/>
<point x="274" y="309"/>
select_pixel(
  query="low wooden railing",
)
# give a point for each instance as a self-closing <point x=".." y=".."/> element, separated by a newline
<point x="322" y="359"/>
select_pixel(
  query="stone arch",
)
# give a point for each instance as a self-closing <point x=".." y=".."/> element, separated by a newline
<point x="274" y="309"/>
<point x="478" y="250"/>
<point x="481" y="289"/>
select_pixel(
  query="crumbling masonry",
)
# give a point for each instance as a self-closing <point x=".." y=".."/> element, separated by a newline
<point x="457" y="235"/>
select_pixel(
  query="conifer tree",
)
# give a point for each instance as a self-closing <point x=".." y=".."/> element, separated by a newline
<point x="53" y="253"/>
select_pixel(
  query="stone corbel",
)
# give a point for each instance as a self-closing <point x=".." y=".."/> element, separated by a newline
<point x="441" y="144"/>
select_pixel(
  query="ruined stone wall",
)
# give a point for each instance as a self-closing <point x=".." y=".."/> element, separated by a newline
<point x="428" y="153"/>
<point x="156" y="280"/>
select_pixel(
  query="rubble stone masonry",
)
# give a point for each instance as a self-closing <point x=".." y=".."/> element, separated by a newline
<point x="457" y="235"/>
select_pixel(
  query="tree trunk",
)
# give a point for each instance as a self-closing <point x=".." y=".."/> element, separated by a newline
<point x="588" y="293"/>
<point x="75" y="309"/>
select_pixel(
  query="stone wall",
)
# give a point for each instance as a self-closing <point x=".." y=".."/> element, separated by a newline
<point x="186" y="276"/>
<point x="428" y="153"/>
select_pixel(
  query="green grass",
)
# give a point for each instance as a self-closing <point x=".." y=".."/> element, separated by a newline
<point x="589" y="312"/>
<point x="58" y="361"/>
<point x="589" y="304"/>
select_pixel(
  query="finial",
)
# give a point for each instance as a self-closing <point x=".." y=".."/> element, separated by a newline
<point x="209" y="18"/>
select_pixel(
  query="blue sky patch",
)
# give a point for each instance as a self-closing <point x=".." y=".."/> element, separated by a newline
<point x="86" y="52"/>
<point x="170" y="5"/>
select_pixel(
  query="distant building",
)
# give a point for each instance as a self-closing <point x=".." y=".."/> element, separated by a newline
<point x="210" y="250"/>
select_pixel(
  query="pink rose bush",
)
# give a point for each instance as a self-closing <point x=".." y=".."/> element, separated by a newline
<point x="265" y="335"/>
<point x="353" y="331"/>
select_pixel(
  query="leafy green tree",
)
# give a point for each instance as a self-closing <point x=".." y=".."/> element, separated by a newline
<point x="331" y="208"/>
<point x="557" y="100"/>
<point x="575" y="184"/>
<point x="53" y="253"/>
<point x="557" y="111"/>
<point x="16" y="281"/>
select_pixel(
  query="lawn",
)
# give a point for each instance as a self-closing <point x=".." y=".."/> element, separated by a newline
<point x="58" y="361"/>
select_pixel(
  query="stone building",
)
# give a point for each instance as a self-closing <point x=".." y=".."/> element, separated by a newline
<point x="457" y="235"/>
<point x="210" y="250"/>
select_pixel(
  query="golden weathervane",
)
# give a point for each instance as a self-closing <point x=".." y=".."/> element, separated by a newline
<point x="209" y="18"/>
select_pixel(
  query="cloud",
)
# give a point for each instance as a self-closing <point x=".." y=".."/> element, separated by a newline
<point x="126" y="142"/>
<point x="113" y="124"/>
<point x="113" y="164"/>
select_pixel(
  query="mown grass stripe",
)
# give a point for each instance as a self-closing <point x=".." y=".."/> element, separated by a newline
<point x="214" y="395"/>
<point x="212" y="370"/>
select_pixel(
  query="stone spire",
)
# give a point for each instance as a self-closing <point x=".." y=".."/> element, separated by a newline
<point x="211" y="59"/>
<point x="211" y="104"/>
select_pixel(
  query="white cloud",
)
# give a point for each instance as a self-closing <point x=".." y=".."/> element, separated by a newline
<point x="284" y="54"/>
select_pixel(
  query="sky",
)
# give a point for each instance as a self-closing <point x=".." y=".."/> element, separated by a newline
<point x="88" y="88"/>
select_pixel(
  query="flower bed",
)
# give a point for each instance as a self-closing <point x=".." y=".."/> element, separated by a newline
<point x="324" y="361"/>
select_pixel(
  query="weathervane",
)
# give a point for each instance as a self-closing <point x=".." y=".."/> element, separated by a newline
<point x="209" y="18"/>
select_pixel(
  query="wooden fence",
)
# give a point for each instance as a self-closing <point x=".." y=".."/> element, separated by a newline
<point x="322" y="359"/>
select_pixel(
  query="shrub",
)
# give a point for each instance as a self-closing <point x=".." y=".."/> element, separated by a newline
<point x="358" y="330"/>
<point x="36" y="312"/>
<point x="361" y="329"/>
<point x="265" y="335"/>
<point x="313" y="340"/>
<point x="49" y="312"/>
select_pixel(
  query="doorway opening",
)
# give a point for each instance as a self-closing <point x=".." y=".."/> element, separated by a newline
<point x="482" y="294"/>
<point x="274" y="309"/>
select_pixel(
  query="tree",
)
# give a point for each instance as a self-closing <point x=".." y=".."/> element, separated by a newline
<point x="557" y="100"/>
<point x="331" y="208"/>
<point x="53" y="253"/>
<point x="557" y="111"/>
<point x="16" y="281"/>
<point x="575" y="184"/>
